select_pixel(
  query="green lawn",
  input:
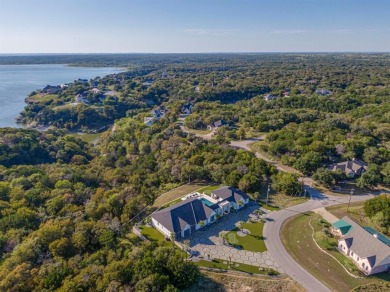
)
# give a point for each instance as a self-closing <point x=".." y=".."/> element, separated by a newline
<point x="151" y="233"/>
<point x="176" y="193"/>
<point x="89" y="138"/>
<point x="42" y="98"/>
<point x="219" y="264"/>
<point x="296" y="235"/>
<point x="207" y="190"/>
<point x="251" y="242"/>
<point x="270" y="207"/>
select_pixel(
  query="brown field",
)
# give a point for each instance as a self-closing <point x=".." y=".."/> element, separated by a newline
<point x="229" y="282"/>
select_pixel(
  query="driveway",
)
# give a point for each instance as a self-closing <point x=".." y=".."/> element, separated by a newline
<point x="206" y="242"/>
<point x="274" y="243"/>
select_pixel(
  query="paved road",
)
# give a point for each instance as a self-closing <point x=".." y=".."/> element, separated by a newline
<point x="274" y="243"/>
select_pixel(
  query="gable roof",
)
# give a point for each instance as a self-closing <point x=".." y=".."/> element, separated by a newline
<point x="343" y="226"/>
<point x="351" y="166"/>
<point x="176" y="217"/>
<point x="366" y="245"/>
<point x="230" y="194"/>
<point x="218" y="124"/>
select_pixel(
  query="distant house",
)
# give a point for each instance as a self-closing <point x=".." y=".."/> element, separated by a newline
<point x="187" y="109"/>
<point x="147" y="83"/>
<point x="148" y="121"/>
<point x="155" y="114"/>
<point x="95" y="90"/>
<point x="286" y="92"/>
<point x="64" y="85"/>
<point x="197" y="210"/>
<point x="50" y="89"/>
<point x="369" y="250"/>
<point x="80" y="98"/>
<point x="216" y="125"/>
<point x="323" y="92"/>
<point x="351" y="168"/>
<point x="270" y="97"/>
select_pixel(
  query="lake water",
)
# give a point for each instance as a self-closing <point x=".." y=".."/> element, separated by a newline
<point x="17" y="81"/>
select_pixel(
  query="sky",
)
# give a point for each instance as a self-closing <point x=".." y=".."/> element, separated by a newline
<point x="194" y="26"/>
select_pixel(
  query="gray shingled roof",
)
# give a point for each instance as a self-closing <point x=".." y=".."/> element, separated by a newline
<point x="231" y="194"/>
<point x="218" y="123"/>
<point x="176" y="217"/>
<point x="365" y="245"/>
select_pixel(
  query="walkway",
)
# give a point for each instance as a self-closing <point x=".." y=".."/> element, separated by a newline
<point x="206" y="242"/>
<point x="326" y="215"/>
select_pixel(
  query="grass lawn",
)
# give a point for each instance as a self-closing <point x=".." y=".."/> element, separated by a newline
<point x="355" y="212"/>
<point x="151" y="233"/>
<point x="278" y="199"/>
<point x="219" y="264"/>
<point x="270" y="207"/>
<point x="89" y="138"/>
<point x="207" y="190"/>
<point x="296" y="236"/>
<point x="42" y="98"/>
<point x="176" y="193"/>
<point x="251" y="242"/>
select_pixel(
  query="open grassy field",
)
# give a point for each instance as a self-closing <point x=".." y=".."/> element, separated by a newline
<point x="235" y="282"/>
<point x="89" y="138"/>
<point x="176" y="193"/>
<point x="42" y="98"/>
<point x="251" y="242"/>
<point x="296" y="236"/>
<point x="278" y="200"/>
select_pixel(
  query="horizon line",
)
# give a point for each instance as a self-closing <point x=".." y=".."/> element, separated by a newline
<point x="200" y="53"/>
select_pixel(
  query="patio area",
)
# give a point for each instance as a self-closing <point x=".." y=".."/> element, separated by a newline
<point x="205" y="244"/>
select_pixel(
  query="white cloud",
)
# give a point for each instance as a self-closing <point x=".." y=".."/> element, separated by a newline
<point x="340" y="31"/>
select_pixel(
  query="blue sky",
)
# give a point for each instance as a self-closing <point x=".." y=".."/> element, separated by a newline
<point x="162" y="26"/>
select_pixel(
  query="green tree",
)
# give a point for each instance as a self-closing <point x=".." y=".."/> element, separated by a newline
<point x="286" y="183"/>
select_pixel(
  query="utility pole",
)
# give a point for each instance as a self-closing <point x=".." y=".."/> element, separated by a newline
<point x="269" y="186"/>
<point x="350" y="195"/>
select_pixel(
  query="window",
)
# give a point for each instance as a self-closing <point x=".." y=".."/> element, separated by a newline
<point x="363" y="265"/>
<point x="351" y="253"/>
<point x="358" y="258"/>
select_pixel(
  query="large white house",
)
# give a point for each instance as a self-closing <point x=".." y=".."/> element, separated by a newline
<point x="197" y="210"/>
<point x="369" y="250"/>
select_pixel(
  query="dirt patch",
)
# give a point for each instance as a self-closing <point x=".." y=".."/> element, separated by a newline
<point x="212" y="281"/>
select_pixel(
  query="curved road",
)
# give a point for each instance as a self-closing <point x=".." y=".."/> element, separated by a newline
<point x="274" y="243"/>
<point x="271" y="231"/>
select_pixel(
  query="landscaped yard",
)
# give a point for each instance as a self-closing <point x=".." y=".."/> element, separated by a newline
<point x="221" y="264"/>
<point x="251" y="242"/>
<point x="151" y="233"/>
<point x="296" y="235"/>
